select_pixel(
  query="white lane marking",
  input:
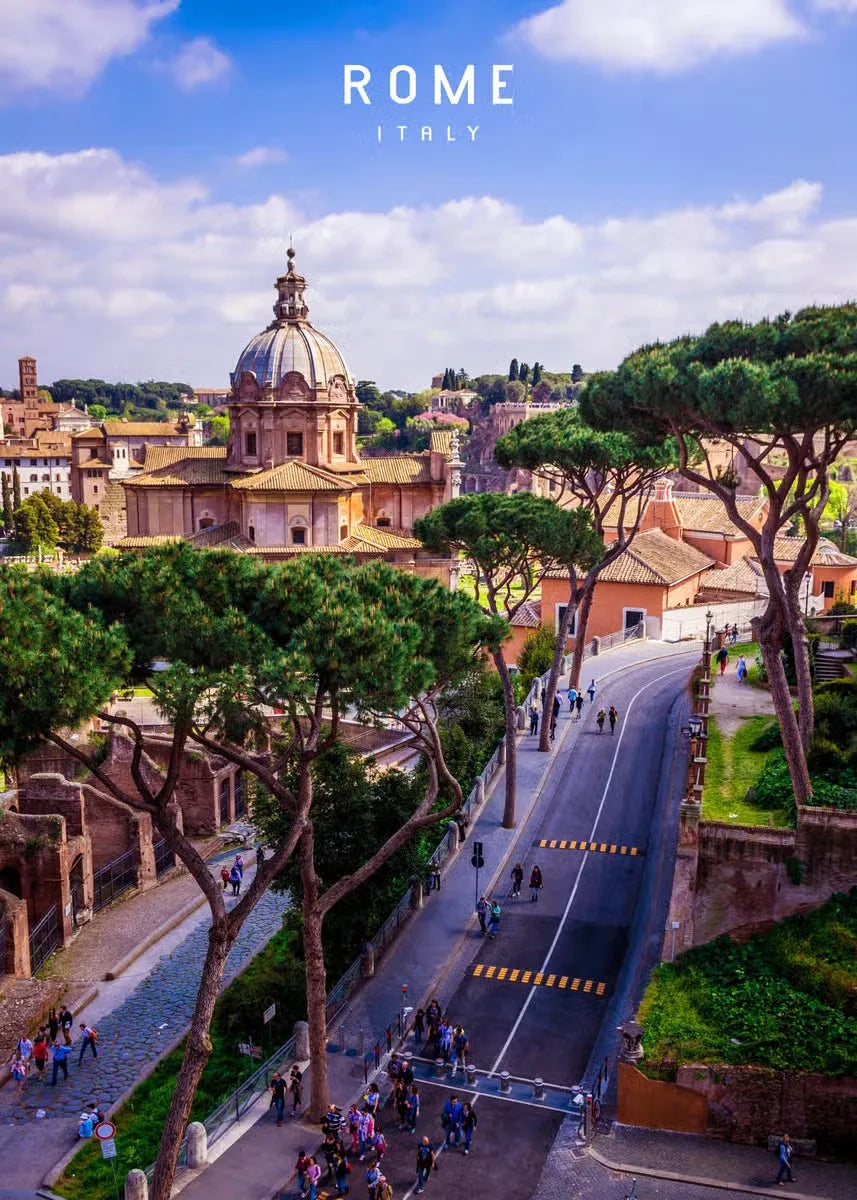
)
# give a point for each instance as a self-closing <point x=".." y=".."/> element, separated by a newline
<point x="591" y="838"/>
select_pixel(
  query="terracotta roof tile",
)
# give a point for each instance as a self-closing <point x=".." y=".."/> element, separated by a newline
<point x="155" y="457"/>
<point x="652" y="558"/>
<point x="826" y="554"/>
<point x="742" y="576"/>
<point x="187" y="470"/>
<point x="384" y="538"/>
<point x="295" y="476"/>
<point x="142" y="543"/>
<point x="398" y="468"/>
<point x="528" y="616"/>
<point x="143" y="429"/>
<point x="701" y="513"/>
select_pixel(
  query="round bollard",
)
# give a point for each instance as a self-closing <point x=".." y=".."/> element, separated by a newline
<point x="136" y="1185"/>
<point x="471" y="1074"/>
<point x="439" y="1068"/>
<point x="197" y="1145"/>
<point x="539" y="1088"/>
<point x="408" y="1057"/>
<point x="505" y="1082"/>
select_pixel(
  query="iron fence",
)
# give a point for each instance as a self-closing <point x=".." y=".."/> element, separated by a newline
<point x="45" y="937"/>
<point x="116" y="878"/>
<point x="165" y="859"/>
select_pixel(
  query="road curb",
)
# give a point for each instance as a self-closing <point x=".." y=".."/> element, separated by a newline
<point x="166" y="927"/>
<point x="698" y="1180"/>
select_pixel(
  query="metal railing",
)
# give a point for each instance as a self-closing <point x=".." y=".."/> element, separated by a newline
<point x="114" y="879"/>
<point x="45" y="937"/>
<point x="165" y="859"/>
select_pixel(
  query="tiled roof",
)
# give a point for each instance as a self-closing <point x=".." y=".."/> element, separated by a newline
<point x="228" y="536"/>
<point x="528" y="616"/>
<point x="295" y="476"/>
<point x="398" y="468"/>
<point x="155" y="457"/>
<point x="742" y="576"/>
<point x="16" y="450"/>
<point x="189" y="470"/>
<point x="652" y="558"/>
<point x="440" y="441"/>
<point x="142" y="429"/>
<point x="93" y="432"/>
<point x="826" y="553"/>
<point x="54" y="439"/>
<point x="705" y="513"/>
<point x="142" y="543"/>
<point x="385" y="538"/>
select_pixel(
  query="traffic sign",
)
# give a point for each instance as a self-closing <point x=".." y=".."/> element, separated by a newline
<point x="476" y="857"/>
<point x="104" y="1131"/>
<point x="108" y="1148"/>
<point x="269" y="1013"/>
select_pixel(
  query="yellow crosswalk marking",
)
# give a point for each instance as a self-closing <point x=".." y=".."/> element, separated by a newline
<point x="592" y="845"/>
<point x="553" y="844"/>
<point x="538" y="979"/>
<point x="633" y="849"/>
<point x="575" y="985"/>
<point x="624" y="850"/>
<point x="501" y="974"/>
<point x="587" y="987"/>
<point x="479" y="968"/>
<point x="490" y="972"/>
<point x="563" y="845"/>
<point x="601" y="989"/>
<point x="595" y="847"/>
<point x="525" y="978"/>
<point x="603" y="847"/>
<point x="551" y="979"/>
<point x="543" y="843"/>
<point x="563" y="982"/>
<point x="613" y="848"/>
<point x="513" y="978"/>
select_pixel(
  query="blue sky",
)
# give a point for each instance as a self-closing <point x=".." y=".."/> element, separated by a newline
<point x="652" y="174"/>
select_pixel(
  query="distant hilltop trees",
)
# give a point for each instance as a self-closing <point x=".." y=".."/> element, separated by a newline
<point x="150" y="400"/>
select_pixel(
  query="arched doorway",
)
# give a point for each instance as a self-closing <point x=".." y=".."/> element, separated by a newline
<point x="75" y="883"/>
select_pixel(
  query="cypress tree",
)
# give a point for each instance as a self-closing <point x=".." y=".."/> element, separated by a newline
<point x="7" y="504"/>
<point x="523" y="372"/>
<point x="537" y="373"/>
<point x="513" y="369"/>
<point x="16" y="489"/>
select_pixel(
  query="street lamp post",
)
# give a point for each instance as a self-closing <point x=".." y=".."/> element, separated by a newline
<point x="808" y="581"/>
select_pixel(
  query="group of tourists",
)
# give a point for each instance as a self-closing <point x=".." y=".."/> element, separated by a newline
<point x="722" y="658"/>
<point x="489" y="913"/>
<point x="279" y="1086"/>
<point x="31" y="1054"/>
<point x="536" y="883"/>
<point x="575" y="706"/>
<point x="233" y="876"/>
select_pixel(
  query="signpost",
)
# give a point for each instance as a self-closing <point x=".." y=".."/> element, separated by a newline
<point x="478" y="862"/>
<point x="269" y="1013"/>
<point x="105" y="1132"/>
<point x="249" y="1050"/>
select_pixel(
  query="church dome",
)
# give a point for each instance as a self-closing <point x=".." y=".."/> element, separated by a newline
<point x="290" y="344"/>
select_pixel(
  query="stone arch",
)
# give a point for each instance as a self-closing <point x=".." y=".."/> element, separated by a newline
<point x="10" y="880"/>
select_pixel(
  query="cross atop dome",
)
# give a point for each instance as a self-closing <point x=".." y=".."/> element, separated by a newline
<point x="290" y="306"/>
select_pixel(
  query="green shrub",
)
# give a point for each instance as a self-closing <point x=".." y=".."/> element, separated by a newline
<point x="848" y="636"/>
<point x="824" y="755"/>
<point x="774" y="786"/>
<point x="769" y="739"/>
<point x="841" y="608"/>
<point x="536" y="655"/>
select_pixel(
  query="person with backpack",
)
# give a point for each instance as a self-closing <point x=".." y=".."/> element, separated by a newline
<point x="612" y="717"/>
<point x="517" y="879"/>
<point x="90" y="1037"/>
<point x="572" y="696"/>
<point x="468" y="1124"/>
<point x="536" y="884"/>
<point x="494" y="920"/>
<point x="85" y="1127"/>
<point x="385" y="1189"/>
<point x="425" y="1162"/>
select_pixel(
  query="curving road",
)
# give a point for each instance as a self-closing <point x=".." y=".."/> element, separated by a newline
<point x="532" y="1001"/>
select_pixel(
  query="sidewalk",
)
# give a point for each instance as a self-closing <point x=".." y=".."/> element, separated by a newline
<point x="256" y="1162"/>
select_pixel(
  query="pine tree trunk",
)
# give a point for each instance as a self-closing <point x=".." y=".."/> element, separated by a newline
<point x="511" y="737"/>
<point x="796" y="624"/>
<point x="584" y="607"/>
<point x="556" y="665"/>
<point x="316" y="976"/>
<point x="198" y="1049"/>
<point x="768" y="630"/>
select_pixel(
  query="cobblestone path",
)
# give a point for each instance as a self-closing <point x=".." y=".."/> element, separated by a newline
<point x="131" y="1038"/>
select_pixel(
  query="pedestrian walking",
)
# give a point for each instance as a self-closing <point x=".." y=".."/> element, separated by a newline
<point x="373" y="1179"/>
<point x="66" y="1025"/>
<point x="741" y="669"/>
<point x="313" y="1175"/>
<point x="296" y="1087"/>
<point x="420" y="1018"/>
<point x="460" y="1047"/>
<point x="578" y="703"/>
<point x="784" y="1154"/>
<point x="60" y="1054"/>
<point x="482" y="914"/>
<point x="235" y="880"/>
<point x="340" y="1173"/>
<point x="572" y="696"/>
<point x="733" y="637"/>
<point x="722" y="657"/>
<point x="425" y="1162"/>
<point x="536" y="884"/>
<point x="40" y="1052"/>
<point x="19" y="1071"/>
<point x="599" y="720"/>
<point x="25" y="1048"/>
<point x="224" y="876"/>
<point x="450" y="1118"/>
<point x="239" y="865"/>
<point x="333" y="1121"/>
<point x="302" y="1165"/>
<point x="494" y="920"/>
<point x="612" y="717"/>
<point x="591" y="691"/>
<point x="372" y="1099"/>
<point x="90" y="1036"/>
<point x="468" y="1124"/>
<point x="517" y="879"/>
<point x="53" y="1026"/>
<point x="278" y="1095"/>
<point x="555" y="715"/>
<point x="413" y="1108"/>
<point x="433" y="876"/>
<point x="534" y="719"/>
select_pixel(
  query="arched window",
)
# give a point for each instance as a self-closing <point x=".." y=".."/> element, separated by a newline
<point x="206" y="522"/>
<point x="251" y="533"/>
<point x="383" y="522"/>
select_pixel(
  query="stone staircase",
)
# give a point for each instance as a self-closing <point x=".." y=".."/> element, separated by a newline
<point x="830" y="664"/>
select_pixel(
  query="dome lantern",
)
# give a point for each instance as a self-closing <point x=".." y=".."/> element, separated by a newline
<point x="290" y="305"/>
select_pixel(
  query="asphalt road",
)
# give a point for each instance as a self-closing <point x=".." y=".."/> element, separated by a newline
<point x="532" y="1000"/>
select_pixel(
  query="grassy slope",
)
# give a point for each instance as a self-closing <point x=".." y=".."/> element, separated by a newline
<point x="733" y="768"/>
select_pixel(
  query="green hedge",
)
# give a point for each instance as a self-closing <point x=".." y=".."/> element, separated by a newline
<point x="786" y="999"/>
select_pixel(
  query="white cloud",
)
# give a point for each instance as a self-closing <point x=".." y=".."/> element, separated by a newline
<point x="836" y="5"/>
<point x="199" y="61"/>
<point x="106" y="271"/>
<point x="67" y="43"/>
<point x="659" y="35"/>
<point x="261" y="156"/>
